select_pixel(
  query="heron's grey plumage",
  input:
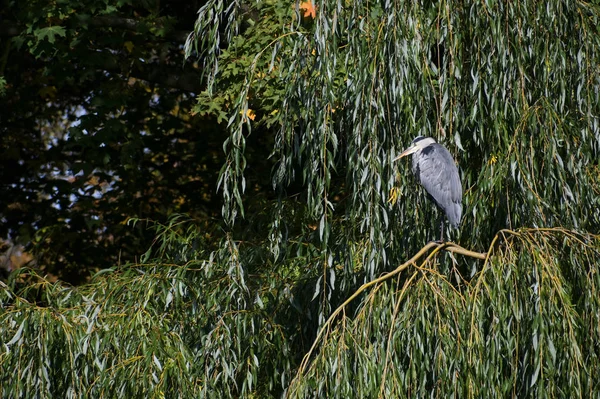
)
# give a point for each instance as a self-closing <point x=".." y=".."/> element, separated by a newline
<point x="436" y="170"/>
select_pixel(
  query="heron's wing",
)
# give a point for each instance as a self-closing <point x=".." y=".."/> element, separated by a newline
<point x="438" y="174"/>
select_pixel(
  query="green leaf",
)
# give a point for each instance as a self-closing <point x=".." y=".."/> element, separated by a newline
<point x="49" y="33"/>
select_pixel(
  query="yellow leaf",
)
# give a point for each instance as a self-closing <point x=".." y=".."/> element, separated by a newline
<point x="250" y="114"/>
<point x="129" y="46"/>
<point x="394" y="194"/>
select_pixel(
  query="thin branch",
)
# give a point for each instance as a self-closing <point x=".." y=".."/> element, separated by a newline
<point x="388" y="350"/>
<point x="152" y="72"/>
<point x="437" y="247"/>
<point x="11" y="28"/>
<point x="113" y="21"/>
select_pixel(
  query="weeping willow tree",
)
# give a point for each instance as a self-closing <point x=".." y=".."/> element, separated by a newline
<point x="323" y="284"/>
<point x="510" y="89"/>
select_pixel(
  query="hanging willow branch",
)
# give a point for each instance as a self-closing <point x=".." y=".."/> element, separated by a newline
<point x="437" y="247"/>
<point x="530" y="240"/>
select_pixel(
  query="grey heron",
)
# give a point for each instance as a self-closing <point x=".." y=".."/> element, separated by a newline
<point x="435" y="169"/>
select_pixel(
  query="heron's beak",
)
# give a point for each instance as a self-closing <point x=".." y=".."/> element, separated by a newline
<point x="406" y="152"/>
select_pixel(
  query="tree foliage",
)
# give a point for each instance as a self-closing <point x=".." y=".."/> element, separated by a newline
<point x="521" y="327"/>
<point x="310" y="289"/>
<point x="96" y="128"/>
<point x="525" y="325"/>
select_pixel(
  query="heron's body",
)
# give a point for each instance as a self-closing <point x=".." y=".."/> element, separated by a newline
<point x="435" y="169"/>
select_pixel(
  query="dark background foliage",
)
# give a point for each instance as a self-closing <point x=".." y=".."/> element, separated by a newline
<point x="96" y="128"/>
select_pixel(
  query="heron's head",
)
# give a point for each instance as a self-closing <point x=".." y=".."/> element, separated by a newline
<point x="417" y="144"/>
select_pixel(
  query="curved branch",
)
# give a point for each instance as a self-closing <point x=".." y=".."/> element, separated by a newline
<point x="451" y="247"/>
<point x="437" y="247"/>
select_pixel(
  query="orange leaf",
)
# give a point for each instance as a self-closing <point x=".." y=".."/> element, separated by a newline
<point x="308" y="9"/>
